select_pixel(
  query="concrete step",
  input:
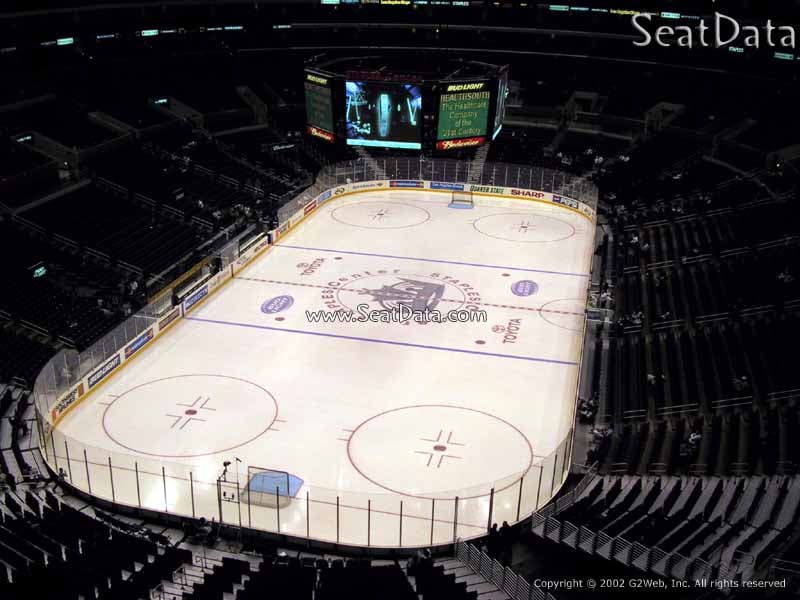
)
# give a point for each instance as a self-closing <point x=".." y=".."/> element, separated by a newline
<point x="495" y="595"/>
<point x="449" y="564"/>
<point x="483" y="587"/>
<point x="461" y="571"/>
<point x="470" y="579"/>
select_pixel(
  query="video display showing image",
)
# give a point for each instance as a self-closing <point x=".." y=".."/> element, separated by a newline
<point x="384" y="114"/>
<point x="500" y="113"/>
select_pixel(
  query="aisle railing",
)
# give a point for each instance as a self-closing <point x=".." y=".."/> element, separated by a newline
<point x="516" y="586"/>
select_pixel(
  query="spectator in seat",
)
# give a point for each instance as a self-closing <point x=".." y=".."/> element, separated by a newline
<point x="506" y="542"/>
<point x="694" y="438"/>
<point x="493" y="544"/>
<point x="741" y="384"/>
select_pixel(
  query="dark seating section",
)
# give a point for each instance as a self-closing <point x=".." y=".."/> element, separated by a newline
<point x="122" y="230"/>
<point x="242" y="158"/>
<point x="12" y="415"/>
<point x="59" y="120"/>
<point x="75" y="298"/>
<point x="174" y="188"/>
<point x="521" y="145"/>
<point x="360" y="581"/>
<point x="279" y="161"/>
<point x="284" y="577"/>
<point x="706" y="518"/>
<point x="433" y="583"/>
<point x="706" y="297"/>
<point x="21" y="356"/>
<point x="24" y="174"/>
<point x="54" y="551"/>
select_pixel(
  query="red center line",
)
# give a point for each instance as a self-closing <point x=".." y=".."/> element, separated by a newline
<point x="325" y="287"/>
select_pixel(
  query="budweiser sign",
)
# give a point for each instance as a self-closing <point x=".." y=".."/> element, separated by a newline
<point x="320" y="133"/>
<point x="462" y="143"/>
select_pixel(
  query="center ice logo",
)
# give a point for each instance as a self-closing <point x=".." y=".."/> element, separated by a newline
<point x="388" y="290"/>
<point x="414" y="294"/>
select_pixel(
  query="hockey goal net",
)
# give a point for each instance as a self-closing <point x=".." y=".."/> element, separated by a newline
<point x="270" y="488"/>
<point x="462" y="200"/>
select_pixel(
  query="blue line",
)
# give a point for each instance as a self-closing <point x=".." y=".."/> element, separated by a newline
<point x="377" y="341"/>
<point x="449" y="262"/>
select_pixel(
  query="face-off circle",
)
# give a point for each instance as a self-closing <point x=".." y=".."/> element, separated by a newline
<point x="564" y="313"/>
<point x="524" y="227"/>
<point x="433" y="451"/>
<point x="380" y="215"/>
<point x="187" y="416"/>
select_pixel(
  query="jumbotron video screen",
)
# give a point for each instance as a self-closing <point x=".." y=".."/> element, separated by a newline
<point x="383" y="114"/>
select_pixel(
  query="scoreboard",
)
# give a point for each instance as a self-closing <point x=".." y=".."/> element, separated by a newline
<point x="463" y="114"/>
<point x="319" y="105"/>
<point x="365" y="102"/>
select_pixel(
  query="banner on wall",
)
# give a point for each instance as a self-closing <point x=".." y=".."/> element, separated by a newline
<point x="401" y="183"/>
<point x="221" y="276"/>
<point x="369" y="185"/>
<point x="62" y="405"/>
<point x="195" y="298"/>
<point x="103" y="371"/>
<point x="138" y="343"/>
<point x="533" y="194"/>
<point x="487" y="189"/>
<point x="443" y="185"/>
<point x="173" y="314"/>
<point x="567" y="202"/>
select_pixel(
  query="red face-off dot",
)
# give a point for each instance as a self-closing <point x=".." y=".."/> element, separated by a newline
<point x="279" y="318"/>
<point x="440" y="448"/>
<point x="480" y="342"/>
<point x="190" y="411"/>
<point x="337" y="258"/>
<point x="506" y="275"/>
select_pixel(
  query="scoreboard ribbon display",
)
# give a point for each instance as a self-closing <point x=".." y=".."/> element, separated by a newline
<point x="463" y="112"/>
<point x="319" y="106"/>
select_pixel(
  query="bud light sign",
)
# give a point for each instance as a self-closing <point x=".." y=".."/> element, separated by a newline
<point x="277" y="304"/>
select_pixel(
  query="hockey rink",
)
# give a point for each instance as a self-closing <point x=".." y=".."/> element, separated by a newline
<point x="373" y="420"/>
